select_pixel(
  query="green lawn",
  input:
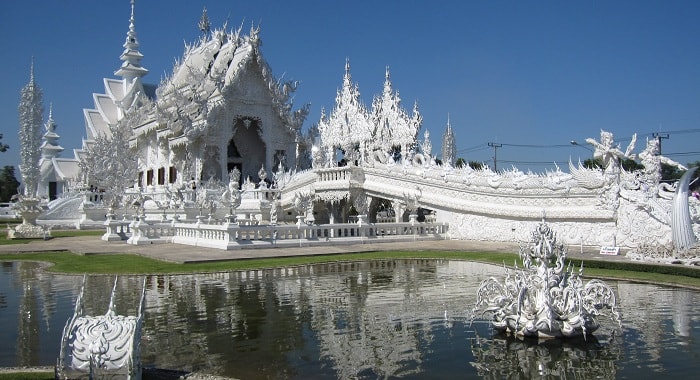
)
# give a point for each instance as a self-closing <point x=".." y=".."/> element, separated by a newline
<point x="27" y="376"/>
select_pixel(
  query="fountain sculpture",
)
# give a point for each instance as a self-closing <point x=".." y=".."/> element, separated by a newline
<point x="545" y="299"/>
<point x="103" y="346"/>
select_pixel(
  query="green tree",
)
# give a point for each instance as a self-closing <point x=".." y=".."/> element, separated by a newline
<point x="460" y="163"/>
<point x="695" y="185"/>
<point x="591" y="163"/>
<point x="631" y="165"/>
<point x="670" y="173"/>
<point x="8" y="183"/>
<point x="476" y="165"/>
<point x="3" y="147"/>
<point x="628" y="164"/>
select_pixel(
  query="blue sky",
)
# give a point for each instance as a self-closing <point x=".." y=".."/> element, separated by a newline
<point x="532" y="73"/>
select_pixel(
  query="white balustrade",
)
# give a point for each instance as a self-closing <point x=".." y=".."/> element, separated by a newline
<point x="230" y="236"/>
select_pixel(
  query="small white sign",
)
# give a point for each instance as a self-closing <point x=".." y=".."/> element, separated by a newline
<point x="609" y="250"/>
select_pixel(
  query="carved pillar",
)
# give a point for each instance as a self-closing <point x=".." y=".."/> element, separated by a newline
<point x="399" y="209"/>
<point x="361" y="202"/>
<point x="310" y="218"/>
<point x="333" y="212"/>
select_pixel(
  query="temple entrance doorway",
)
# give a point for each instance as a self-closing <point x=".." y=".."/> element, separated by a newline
<point x="53" y="190"/>
<point x="246" y="150"/>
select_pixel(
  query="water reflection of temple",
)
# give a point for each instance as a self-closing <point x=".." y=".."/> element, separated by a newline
<point x="651" y="305"/>
<point x="374" y="318"/>
<point x="507" y="357"/>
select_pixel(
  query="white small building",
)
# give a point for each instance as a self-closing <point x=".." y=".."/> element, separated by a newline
<point x="51" y="182"/>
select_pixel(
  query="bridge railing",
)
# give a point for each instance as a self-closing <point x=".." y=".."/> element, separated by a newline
<point x="231" y="236"/>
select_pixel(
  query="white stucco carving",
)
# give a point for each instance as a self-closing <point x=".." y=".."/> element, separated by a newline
<point x="102" y="346"/>
<point x="545" y="299"/>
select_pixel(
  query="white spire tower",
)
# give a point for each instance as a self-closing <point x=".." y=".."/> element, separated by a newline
<point x="31" y="110"/>
<point x="131" y="56"/>
<point x="50" y="147"/>
<point x="131" y="69"/>
<point x="449" y="153"/>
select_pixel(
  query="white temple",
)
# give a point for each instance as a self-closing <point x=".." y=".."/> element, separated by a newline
<point x="222" y="109"/>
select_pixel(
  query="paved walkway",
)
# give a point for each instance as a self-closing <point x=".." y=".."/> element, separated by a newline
<point x="90" y="245"/>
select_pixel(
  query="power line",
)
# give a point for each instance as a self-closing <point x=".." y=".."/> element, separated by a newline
<point x="474" y="148"/>
<point x="538" y="146"/>
<point x="677" y="132"/>
<point x="529" y="162"/>
<point x="681" y="154"/>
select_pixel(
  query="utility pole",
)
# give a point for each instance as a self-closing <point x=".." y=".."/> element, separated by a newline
<point x="658" y="136"/>
<point x="495" y="147"/>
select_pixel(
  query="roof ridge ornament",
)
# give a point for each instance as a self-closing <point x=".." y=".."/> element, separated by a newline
<point x="131" y="56"/>
<point x="50" y="123"/>
<point x="204" y="25"/>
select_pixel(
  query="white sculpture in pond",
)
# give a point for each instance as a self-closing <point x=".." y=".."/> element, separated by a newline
<point x="545" y="299"/>
<point x="103" y="346"/>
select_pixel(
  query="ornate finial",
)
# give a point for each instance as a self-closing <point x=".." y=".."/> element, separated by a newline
<point x="50" y="123"/>
<point x="131" y="57"/>
<point x="204" y="25"/>
<point x="346" y="78"/>
<point x="131" y="36"/>
<point x="254" y="34"/>
<point x="31" y="72"/>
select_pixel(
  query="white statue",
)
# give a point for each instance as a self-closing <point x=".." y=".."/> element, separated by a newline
<point x="652" y="160"/>
<point x="231" y="196"/>
<point x="609" y="153"/>
<point x="262" y="174"/>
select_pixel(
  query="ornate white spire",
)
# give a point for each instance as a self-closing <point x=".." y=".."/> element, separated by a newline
<point x="50" y="147"/>
<point x="392" y="123"/>
<point x="449" y="152"/>
<point x="30" y="110"/>
<point x="348" y="122"/>
<point x="131" y="57"/>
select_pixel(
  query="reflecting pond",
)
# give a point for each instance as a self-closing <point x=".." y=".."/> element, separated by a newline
<point x="374" y="319"/>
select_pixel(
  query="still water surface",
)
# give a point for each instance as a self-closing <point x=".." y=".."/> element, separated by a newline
<point x="378" y="319"/>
